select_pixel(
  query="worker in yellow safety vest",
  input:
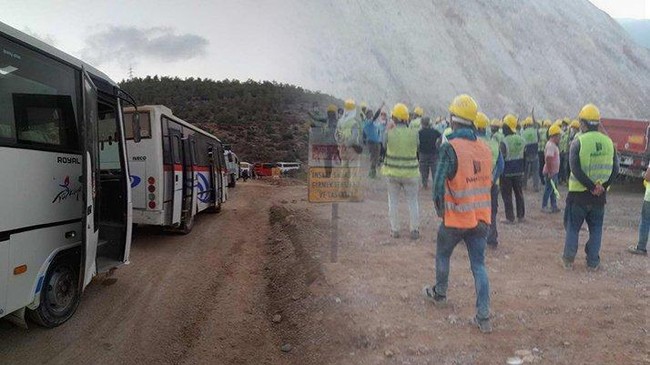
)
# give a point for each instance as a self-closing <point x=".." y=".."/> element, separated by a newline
<point x="402" y="170"/>
<point x="531" y="159"/>
<point x="564" y="151"/>
<point x="594" y="167"/>
<point x="416" y="120"/>
<point x="497" y="134"/>
<point x="512" y="147"/>
<point x="462" y="198"/>
<point x="482" y="123"/>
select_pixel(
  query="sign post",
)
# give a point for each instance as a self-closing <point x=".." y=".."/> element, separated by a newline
<point x="334" y="177"/>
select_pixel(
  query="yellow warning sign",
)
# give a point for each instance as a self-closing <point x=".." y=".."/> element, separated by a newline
<point x="335" y="184"/>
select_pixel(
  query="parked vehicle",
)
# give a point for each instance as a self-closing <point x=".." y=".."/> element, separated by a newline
<point x="286" y="167"/>
<point x="631" y="139"/>
<point x="232" y="166"/>
<point x="177" y="170"/>
<point x="66" y="202"/>
<point x="245" y="170"/>
<point x="264" y="169"/>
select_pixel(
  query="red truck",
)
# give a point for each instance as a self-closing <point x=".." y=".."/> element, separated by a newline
<point x="631" y="139"/>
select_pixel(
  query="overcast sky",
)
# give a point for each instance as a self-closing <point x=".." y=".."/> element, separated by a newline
<point x="217" y="39"/>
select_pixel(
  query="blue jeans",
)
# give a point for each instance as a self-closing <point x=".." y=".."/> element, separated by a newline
<point x="475" y="240"/>
<point x="574" y="216"/>
<point x="644" y="227"/>
<point x="549" y="193"/>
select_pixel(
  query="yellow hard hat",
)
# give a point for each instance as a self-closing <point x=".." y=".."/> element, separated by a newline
<point x="566" y="121"/>
<point x="401" y="112"/>
<point x="465" y="107"/>
<point x="528" y="121"/>
<point x="496" y="123"/>
<point x="418" y="111"/>
<point x="331" y="108"/>
<point x="558" y="122"/>
<point x="481" y="121"/>
<point x="575" y="124"/>
<point x="547" y="123"/>
<point x="554" y="130"/>
<point x="363" y="105"/>
<point x="511" y="121"/>
<point x="349" y="104"/>
<point x="590" y="113"/>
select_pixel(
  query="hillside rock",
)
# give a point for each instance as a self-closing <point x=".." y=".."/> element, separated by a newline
<point x="512" y="55"/>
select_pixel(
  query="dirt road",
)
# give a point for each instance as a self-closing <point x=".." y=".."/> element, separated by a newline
<point x="211" y="297"/>
<point x="184" y="299"/>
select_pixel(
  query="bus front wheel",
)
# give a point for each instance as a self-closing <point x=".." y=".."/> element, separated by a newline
<point x="60" y="294"/>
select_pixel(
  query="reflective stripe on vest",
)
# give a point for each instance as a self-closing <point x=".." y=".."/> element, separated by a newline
<point x="596" y="159"/>
<point x="401" y="153"/>
<point x="467" y="195"/>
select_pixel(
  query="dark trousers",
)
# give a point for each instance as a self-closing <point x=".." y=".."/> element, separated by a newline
<point x="427" y="164"/>
<point x="542" y="161"/>
<point x="510" y="184"/>
<point x="564" y="167"/>
<point x="574" y="216"/>
<point x="493" y="235"/>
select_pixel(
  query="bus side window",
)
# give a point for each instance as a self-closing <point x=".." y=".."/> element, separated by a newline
<point x="46" y="119"/>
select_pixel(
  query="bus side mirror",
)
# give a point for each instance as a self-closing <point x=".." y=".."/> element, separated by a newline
<point x="137" y="137"/>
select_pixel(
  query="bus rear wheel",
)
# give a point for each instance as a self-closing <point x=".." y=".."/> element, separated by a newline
<point x="60" y="295"/>
<point x="186" y="226"/>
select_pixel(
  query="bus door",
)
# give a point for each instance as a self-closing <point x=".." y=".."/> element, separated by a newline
<point x="176" y="143"/>
<point x="215" y="175"/>
<point x="189" y="190"/>
<point x="89" y="176"/>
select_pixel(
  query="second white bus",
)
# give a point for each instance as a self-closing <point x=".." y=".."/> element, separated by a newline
<point x="177" y="170"/>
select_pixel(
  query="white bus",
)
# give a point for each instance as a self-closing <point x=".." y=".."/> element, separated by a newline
<point x="232" y="166"/>
<point x="65" y="199"/>
<point x="177" y="170"/>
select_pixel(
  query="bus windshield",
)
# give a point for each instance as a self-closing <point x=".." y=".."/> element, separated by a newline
<point x="145" y="125"/>
<point x="38" y="99"/>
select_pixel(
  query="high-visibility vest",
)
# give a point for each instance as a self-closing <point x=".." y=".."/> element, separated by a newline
<point x="514" y="158"/>
<point x="530" y="136"/>
<point x="447" y="131"/>
<point x="467" y="195"/>
<point x="596" y="159"/>
<point x="401" y="153"/>
<point x="498" y="136"/>
<point x="349" y="129"/>
<point x="564" y="142"/>
<point x="416" y="123"/>
<point x="646" y="197"/>
<point x="543" y="138"/>
<point x="494" y="149"/>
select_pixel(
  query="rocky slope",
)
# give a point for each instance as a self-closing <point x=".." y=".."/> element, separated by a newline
<point x="512" y="55"/>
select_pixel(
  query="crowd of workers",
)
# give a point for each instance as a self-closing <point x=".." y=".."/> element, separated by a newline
<point x="472" y="161"/>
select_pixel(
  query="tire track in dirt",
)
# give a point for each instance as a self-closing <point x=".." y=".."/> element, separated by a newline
<point x="183" y="298"/>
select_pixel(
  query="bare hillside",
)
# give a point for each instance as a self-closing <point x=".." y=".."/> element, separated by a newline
<point x="554" y="55"/>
